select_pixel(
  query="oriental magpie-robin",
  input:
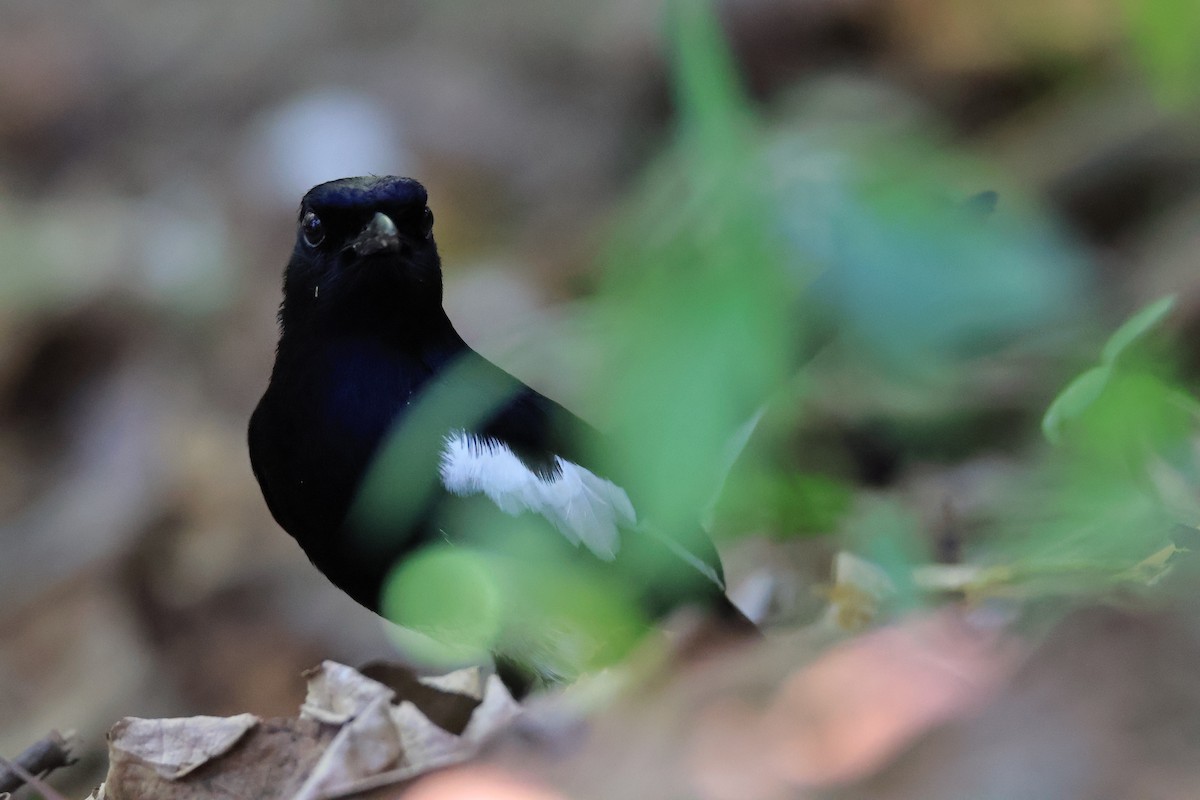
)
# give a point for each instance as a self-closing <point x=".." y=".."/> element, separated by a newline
<point x="373" y="386"/>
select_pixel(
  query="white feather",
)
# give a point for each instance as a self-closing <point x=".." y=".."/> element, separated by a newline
<point x="582" y="506"/>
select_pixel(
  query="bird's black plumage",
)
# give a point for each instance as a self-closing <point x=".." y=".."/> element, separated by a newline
<point x="368" y="357"/>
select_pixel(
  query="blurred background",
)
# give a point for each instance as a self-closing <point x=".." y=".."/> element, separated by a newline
<point x="152" y="156"/>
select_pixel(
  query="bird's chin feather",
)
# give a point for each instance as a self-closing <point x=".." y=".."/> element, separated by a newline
<point x="350" y="291"/>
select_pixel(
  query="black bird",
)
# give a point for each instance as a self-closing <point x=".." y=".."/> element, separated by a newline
<point x="372" y="387"/>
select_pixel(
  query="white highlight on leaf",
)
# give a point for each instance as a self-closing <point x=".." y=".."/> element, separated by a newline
<point x="696" y="563"/>
<point x="582" y="506"/>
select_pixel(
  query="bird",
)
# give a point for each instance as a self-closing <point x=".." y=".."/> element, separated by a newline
<point x="382" y="435"/>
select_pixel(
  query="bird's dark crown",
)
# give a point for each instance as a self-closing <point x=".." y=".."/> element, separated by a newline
<point x="370" y="191"/>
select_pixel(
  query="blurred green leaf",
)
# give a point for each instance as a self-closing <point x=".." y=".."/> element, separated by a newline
<point x="1073" y="401"/>
<point x="916" y="283"/>
<point x="713" y="109"/>
<point x="786" y="504"/>
<point x="814" y="503"/>
<point x="1164" y="36"/>
<point x="888" y="535"/>
<point x="1135" y="328"/>
<point x="465" y="624"/>
<point x="1136" y="405"/>
<point x="1075" y="516"/>
<point x="402" y="477"/>
<point x="1125" y="473"/>
<point x="1135" y="416"/>
<point x="559" y="616"/>
<point x="693" y="287"/>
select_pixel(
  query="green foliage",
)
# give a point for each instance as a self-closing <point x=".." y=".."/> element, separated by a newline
<point x="694" y="290"/>
<point x="694" y="297"/>
<point x="1136" y="328"/>
<point x="1080" y="395"/>
<point x="1124" y="472"/>
<point x="916" y="283"/>
<point x="889" y="535"/>
<point x="555" y="616"/>
<point x="1163" y="34"/>
<point x="785" y="503"/>
<point x="747" y="246"/>
<point x="465" y="623"/>
<point x="1122" y="404"/>
<point x="741" y="253"/>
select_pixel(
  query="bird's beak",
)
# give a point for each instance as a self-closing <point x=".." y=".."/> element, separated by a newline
<point x="380" y="236"/>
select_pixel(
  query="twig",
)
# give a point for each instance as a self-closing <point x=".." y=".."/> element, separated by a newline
<point x="33" y="780"/>
<point x="42" y="757"/>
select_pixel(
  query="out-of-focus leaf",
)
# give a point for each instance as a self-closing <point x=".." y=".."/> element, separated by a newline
<point x="712" y="106"/>
<point x="1135" y="328"/>
<point x="466" y="622"/>
<point x="888" y="536"/>
<point x="1135" y="416"/>
<point x="521" y="597"/>
<point x="1164" y="34"/>
<point x="815" y="502"/>
<point x="693" y="288"/>
<point x="915" y="282"/>
<point x="1120" y="402"/>
<point x="1074" y="522"/>
<point x="1156" y="566"/>
<point x="788" y="504"/>
<point x="1072" y="401"/>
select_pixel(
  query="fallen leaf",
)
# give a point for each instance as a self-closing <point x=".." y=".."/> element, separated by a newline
<point x="176" y="747"/>
<point x="350" y="737"/>
<point x="269" y="762"/>
<point x="336" y="693"/>
<point x="366" y="745"/>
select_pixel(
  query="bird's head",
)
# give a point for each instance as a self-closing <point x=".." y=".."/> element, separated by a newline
<point x="364" y="255"/>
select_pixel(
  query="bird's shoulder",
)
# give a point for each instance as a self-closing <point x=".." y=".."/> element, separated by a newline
<point x="532" y="454"/>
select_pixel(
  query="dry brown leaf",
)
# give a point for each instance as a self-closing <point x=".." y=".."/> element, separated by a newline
<point x="268" y="762"/>
<point x="350" y="738"/>
<point x="427" y="746"/>
<point x="447" y="700"/>
<point x="366" y="745"/>
<point x="468" y="681"/>
<point x="336" y="693"/>
<point x="176" y="747"/>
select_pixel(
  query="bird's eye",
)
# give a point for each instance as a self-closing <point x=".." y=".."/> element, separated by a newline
<point x="314" y="231"/>
<point x="427" y="223"/>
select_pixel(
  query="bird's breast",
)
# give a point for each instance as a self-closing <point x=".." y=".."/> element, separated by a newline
<point x="361" y="389"/>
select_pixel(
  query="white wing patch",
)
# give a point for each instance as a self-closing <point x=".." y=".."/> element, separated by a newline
<point x="584" y="507"/>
